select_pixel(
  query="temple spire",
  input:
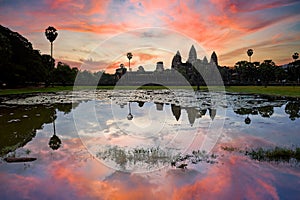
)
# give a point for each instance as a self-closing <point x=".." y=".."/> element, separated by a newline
<point x="192" y="55"/>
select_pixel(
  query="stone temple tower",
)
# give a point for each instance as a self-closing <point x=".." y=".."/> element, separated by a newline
<point x="176" y="62"/>
<point x="192" y="55"/>
<point x="214" y="59"/>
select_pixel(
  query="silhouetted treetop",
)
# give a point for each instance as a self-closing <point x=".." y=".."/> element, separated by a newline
<point x="51" y="33"/>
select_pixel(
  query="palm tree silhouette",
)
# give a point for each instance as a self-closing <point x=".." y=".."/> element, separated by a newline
<point x="51" y="34"/>
<point x="129" y="56"/>
<point x="295" y="56"/>
<point x="250" y="52"/>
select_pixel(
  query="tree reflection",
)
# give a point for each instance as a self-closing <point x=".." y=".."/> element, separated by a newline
<point x="247" y="120"/>
<point x="203" y="112"/>
<point x="140" y="103"/>
<point x="129" y="116"/>
<point x="246" y="111"/>
<point x="266" y="111"/>
<point x="20" y="123"/>
<point x="293" y="110"/>
<point x="54" y="142"/>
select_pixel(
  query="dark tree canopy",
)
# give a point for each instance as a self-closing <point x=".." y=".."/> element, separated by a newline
<point x="51" y="33"/>
<point x="250" y="52"/>
<point x="20" y="63"/>
<point x="295" y="56"/>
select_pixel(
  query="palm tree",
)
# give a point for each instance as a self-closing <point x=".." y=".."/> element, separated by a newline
<point x="129" y="56"/>
<point x="51" y="34"/>
<point x="250" y="52"/>
<point x="295" y="56"/>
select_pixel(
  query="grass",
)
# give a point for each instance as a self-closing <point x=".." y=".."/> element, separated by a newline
<point x="278" y="154"/>
<point x="34" y="90"/>
<point x="290" y="91"/>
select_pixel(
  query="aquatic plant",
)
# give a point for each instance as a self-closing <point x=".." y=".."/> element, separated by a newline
<point x="277" y="154"/>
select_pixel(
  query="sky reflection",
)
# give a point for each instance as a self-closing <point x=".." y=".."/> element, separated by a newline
<point x="75" y="172"/>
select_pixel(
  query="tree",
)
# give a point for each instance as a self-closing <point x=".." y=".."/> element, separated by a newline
<point x="293" y="71"/>
<point x="295" y="56"/>
<point x="241" y="68"/>
<point x="20" y="64"/>
<point x="64" y="74"/>
<point x="48" y="63"/>
<point x="129" y="56"/>
<point x="250" y="53"/>
<point x="266" y="71"/>
<point x="51" y="34"/>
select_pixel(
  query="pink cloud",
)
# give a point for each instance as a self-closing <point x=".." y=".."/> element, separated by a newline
<point x="235" y="6"/>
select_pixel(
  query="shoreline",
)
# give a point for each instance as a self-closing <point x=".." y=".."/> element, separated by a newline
<point x="287" y="91"/>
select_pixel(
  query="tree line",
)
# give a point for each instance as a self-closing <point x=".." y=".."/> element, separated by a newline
<point x="248" y="73"/>
<point x="21" y="65"/>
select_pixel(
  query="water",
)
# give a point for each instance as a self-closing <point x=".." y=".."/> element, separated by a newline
<point x="88" y="147"/>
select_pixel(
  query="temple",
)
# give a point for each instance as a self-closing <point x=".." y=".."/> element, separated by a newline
<point x="192" y="72"/>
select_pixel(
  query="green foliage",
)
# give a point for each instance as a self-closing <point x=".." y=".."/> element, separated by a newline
<point x="51" y="33"/>
<point x="64" y="75"/>
<point x="246" y="71"/>
<point x="266" y="71"/>
<point x="229" y="148"/>
<point x="20" y="64"/>
<point x="293" y="71"/>
<point x="277" y="154"/>
<point x="23" y="66"/>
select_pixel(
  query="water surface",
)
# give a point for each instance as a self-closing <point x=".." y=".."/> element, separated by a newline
<point x="120" y="145"/>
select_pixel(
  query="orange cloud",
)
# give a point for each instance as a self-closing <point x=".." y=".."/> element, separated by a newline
<point x="145" y="56"/>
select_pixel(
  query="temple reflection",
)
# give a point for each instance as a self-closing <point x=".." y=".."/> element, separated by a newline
<point x="176" y="110"/>
<point x="192" y="114"/>
<point x="292" y="108"/>
<point x="159" y="106"/>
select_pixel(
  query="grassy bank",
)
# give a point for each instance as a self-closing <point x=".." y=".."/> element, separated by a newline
<point x="34" y="90"/>
<point x="291" y="91"/>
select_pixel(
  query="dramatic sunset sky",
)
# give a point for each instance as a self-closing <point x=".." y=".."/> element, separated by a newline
<point x="228" y="27"/>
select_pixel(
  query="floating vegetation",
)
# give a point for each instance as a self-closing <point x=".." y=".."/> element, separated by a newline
<point x="278" y="154"/>
<point x="230" y="149"/>
<point x="149" y="158"/>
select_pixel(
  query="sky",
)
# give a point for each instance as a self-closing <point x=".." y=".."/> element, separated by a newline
<point x="96" y="35"/>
